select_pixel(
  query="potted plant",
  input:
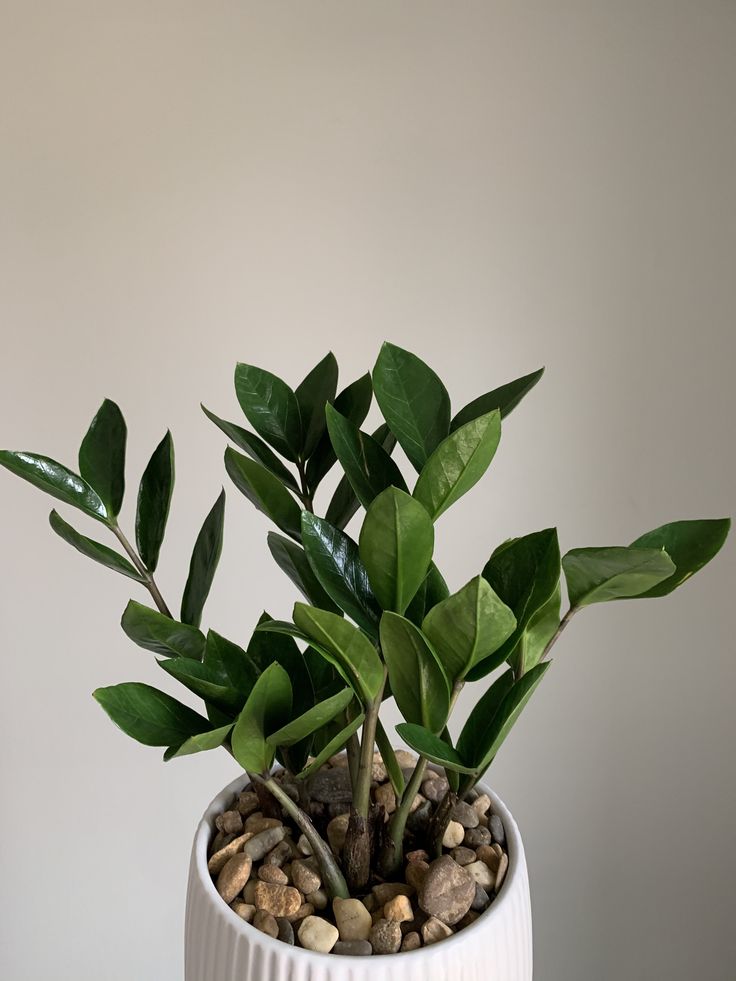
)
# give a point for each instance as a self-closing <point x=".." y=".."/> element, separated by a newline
<point x="350" y="847"/>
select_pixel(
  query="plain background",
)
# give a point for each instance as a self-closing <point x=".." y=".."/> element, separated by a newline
<point x="493" y="185"/>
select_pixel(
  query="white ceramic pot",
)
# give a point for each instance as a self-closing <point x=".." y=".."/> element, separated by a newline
<point x="219" y="946"/>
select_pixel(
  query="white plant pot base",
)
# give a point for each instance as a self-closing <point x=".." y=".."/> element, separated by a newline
<point x="220" y="946"/>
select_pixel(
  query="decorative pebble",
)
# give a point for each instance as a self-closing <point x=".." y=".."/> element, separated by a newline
<point x="353" y="948"/>
<point x="332" y="786"/>
<point x="305" y="875"/>
<point x="474" y="837"/>
<point x="495" y="826"/>
<point x="386" y="797"/>
<point x="233" y="876"/>
<point x="266" y="923"/>
<point x="411" y="941"/>
<point x="219" y="841"/>
<point x="481" y="804"/>
<point x="303" y="845"/>
<point x="249" y="892"/>
<point x="352" y="918"/>
<point x="503" y="866"/>
<point x="272" y="873"/>
<point x="318" y="899"/>
<point x="418" y="820"/>
<point x="262" y="843"/>
<point x="306" y="909"/>
<point x="232" y="822"/>
<point x="379" y="773"/>
<point x="278" y="855"/>
<point x="481" y="900"/>
<point x="434" y="930"/>
<point x="447" y="891"/>
<point x="489" y="855"/>
<point x="435" y="789"/>
<point x="454" y="834"/>
<point x="398" y="909"/>
<point x="336" y="831"/>
<point x="220" y="858"/>
<point x="482" y="874"/>
<point x="276" y="899"/>
<point x="464" y="814"/>
<point x="257" y="823"/>
<point x="286" y="930"/>
<point x="463" y="855"/>
<point x="385" y="937"/>
<point x="418" y="855"/>
<point x="246" y="911"/>
<point x="415" y="873"/>
<point x="247" y="803"/>
<point x="384" y="891"/>
<point x="316" y="933"/>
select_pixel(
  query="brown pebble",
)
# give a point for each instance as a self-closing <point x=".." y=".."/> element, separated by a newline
<point x="279" y="855"/>
<point x="435" y="930"/>
<point x="387" y="890"/>
<point x="266" y="923"/>
<point x="276" y="899"/>
<point x="454" y="834"/>
<point x="336" y="831"/>
<point x="489" y="855"/>
<point x="418" y="855"/>
<point x="481" y="804"/>
<point x="411" y="941"/>
<point x="385" y="937"/>
<point x="257" y="823"/>
<point x="233" y="876"/>
<point x="272" y="873"/>
<point x="353" y="948"/>
<point x="219" y="841"/>
<point x="503" y="866"/>
<point x="246" y="911"/>
<point x="232" y="822"/>
<point x="447" y="891"/>
<point x="463" y="855"/>
<point x="220" y="858"/>
<point x="305" y="910"/>
<point x="415" y="873"/>
<point x="318" y="899"/>
<point x="249" y="891"/>
<point x="316" y="933"/>
<point x="386" y="797"/>
<point x="286" y="931"/>
<point x="398" y="909"/>
<point x="247" y="803"/>
<point x="464" y="814"/>
<point x="305" y="875"/>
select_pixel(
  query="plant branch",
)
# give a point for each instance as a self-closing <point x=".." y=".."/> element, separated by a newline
<point x="563" y="623"/>
<point x="362" y="785"/>
<point x="148" y="580"/>
<point x="333" y="878"/>
<point x="305" y="495"/>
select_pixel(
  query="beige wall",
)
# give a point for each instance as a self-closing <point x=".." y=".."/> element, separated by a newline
<point x="494" y="185"/>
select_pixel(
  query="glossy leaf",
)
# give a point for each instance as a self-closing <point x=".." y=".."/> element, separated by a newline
<point x="596" y="575"/>
<point x="155" y="632"/>
<point x="314" y="718"/>
<point x="458" y="463"/>
<point x="433" y="747"/>
<point x="318" y="388"/>
<point x="102" y="456"/>
<point x="265" y="491"/>
<point x="255" y="447"/>
<point x="418" y="682"/>
<point x="353" y="402"/>
<point x="690" y="545"/>
<point x="203" y="564"/>
<point x="292" y="559"/>
<point x="149" y="715"/>
<point x="537" y="633"/>
<point x="396" y="544"/>
<point x="267" y="709"/>
<point x="414" y="402"/>
<point x="204" y="680"/>
<point x="271" y="407"/>
<point x="154" y="501"/>
<point x="230" y="662"/>
<point x="368" y="467"/>
<point x="474" y="736"/>
<point x="93" y="550"/>
<point x="200" y="743"/>
<point x="505" y="399"/>
<point x="432" y="591"/>
<point x="467" y="627"/>
<point x="348" y="647"/>
<point x="333" y="746"/>
<point x="336" y="563"/>
<point x="491" y="728"/>
<point x="345" y="503"/>
<point x="57" y="480"/>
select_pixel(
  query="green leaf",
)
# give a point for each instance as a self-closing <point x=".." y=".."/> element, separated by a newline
<point x="56" y="480"/>
<point x="414" y="402"/>
<point x="202" y="742"/>
<point x="537" y="633"/>
<point x="458" y="463"/>
<point x="149" y="715"/>
<point x="596" y="575"/>
<point x="312" y="394"/>
<point x="265" y="491"/>
<point x="436" y="750"/>
<point x="349" y="649"/>
<point x="93" y="550"/>
<point x="267" y="709"/>
<point x="367" y="465"/>
<point x="271" y="407"/>
<point x="505" y="398"/>
<point x="432" y="591"/>
<point x="396" y="544"/>
<point x="478" y="732"/>
<point x="496" y="714"/>
<point x="336" y="563"/>
<point x="154" y="501"/>
<point x="255" y="448"/>
<point x="690" y="545"/>
<point x="230" y="662"/>
<point x="155" y="632"/>
<point x="344" y="501"/>
<point x="353" y="402"/>
<point x="292" y="559"/>
<point x="467" y="627"/>
<point x="418" y="682"/>
<point x="102" y="456"/>
<point x="206" y="681"/>
<point x="205" y="557"/>
<point x="332" y="747"/>
<point x="311" y="720"/>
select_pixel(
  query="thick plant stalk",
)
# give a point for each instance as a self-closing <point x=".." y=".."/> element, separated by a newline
<point x="440" y="820"/>
<point x="332" y="877"/>
<point x="392" y="853"/>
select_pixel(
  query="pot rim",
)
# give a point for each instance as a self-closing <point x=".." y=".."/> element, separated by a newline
<point x="485" y="921"/>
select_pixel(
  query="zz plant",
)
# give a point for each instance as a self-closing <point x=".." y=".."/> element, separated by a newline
<point x="377" y="618"/>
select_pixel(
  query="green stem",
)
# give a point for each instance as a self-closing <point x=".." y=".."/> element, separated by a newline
<point x="555" y="637"/>
<point x="148" y="580"/>
<point x="305" y="494"/>
<point x="362" y="785"/>
<point x="332" y="876"/>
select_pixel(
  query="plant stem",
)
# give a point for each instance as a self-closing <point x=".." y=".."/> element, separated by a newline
<point x="563" y="623"/>
<point x="362" y="785"/>
<point x="393" y="854"/>
<point x="333" y="878"/>
<point x="147" y="577"/>
<point x="305" y="495"/>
